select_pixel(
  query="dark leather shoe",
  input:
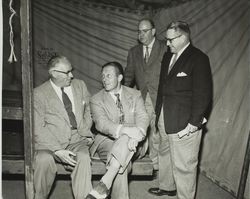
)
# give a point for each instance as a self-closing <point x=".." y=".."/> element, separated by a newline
<point x="161" y="192"/>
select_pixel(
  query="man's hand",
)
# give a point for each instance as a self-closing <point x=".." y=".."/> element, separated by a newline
<point x="133" y="132"/>
<point x="188" y="129"/>
<point x="66" y="156"/>
<point x="132" y="144"/>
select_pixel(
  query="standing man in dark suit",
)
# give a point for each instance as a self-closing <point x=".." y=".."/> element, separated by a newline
<point x="184" y="94"/>
<point x="62" y="123"/>
<point x="143" y="70"/>
<point x="121" y="119"/>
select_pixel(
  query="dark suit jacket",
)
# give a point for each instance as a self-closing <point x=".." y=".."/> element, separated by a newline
<point x="106" y="115"/>
<point x="145" y="75"/>
<point x="51" y="123"/>
<point x="185" y="97"/>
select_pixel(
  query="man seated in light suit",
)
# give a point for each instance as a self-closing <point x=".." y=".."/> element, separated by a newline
<point x="62" y="130"/>
<point x="121" y="119"/>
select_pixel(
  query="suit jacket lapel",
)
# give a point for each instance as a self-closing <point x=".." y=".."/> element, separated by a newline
<point x="154" y="52"/>
<point x="127" y="100"/>
<point x="180" y="61"/>
<point x="110" y="105"/>
<point x="141" y="57"/>
<point x="77" y="102"/>
<point x="56" y="102"/>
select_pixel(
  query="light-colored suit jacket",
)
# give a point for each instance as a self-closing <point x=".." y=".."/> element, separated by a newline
<point x="106" y="114"/>
<point x="52" y="129"/>
<point x="145" y="75"/>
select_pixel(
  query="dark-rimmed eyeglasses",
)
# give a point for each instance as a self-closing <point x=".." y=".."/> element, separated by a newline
<point x="143" y="31"/>
<point x="66" y="73"/>
<point x="170" y="40"/>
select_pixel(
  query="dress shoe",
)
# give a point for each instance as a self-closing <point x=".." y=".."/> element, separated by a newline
<point x="161" y="192"/>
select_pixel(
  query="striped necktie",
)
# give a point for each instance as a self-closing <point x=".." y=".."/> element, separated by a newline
<point x="68" y="106"/>
<point x="146" y="57"/>
<point x="120" y="107"/>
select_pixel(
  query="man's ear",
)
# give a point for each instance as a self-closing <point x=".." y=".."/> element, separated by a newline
<point x="52" y="73"/>
<point x="153" y="31"/>
<point x="120" y="77"/>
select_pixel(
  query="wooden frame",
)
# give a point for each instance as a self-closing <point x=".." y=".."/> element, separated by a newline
<point x="27" y="89"/>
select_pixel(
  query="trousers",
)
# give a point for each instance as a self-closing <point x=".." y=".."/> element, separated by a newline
<point x="119" y="150"/>
<point x="45" y="169"/>
<point x="178" y="160"/>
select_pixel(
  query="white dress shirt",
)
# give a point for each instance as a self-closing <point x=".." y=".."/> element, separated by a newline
<point x="150" y="46"/>
<point x="67" y="90"/>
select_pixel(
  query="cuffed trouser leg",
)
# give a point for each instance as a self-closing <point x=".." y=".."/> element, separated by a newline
<point x="166" y="178"/>
<point x="184" y="155"/>
<point x="120" y="184"/>
<point x="44" y="174"/>
<point x="153" y="137"/>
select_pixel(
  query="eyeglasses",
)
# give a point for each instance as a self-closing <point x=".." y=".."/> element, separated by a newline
<point x="170" y="40"/>
<point x="66" y="73"/>
<point x="143" y="31"/>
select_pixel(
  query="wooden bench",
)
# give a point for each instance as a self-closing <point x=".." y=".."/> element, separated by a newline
<point x="15" y="165"/>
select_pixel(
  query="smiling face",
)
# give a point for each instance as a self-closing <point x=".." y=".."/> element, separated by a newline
<point x="61" y="73"/>
<point x="111" y="79"/>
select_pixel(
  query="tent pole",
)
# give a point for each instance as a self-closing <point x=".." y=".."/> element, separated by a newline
<point x="244" y="172"/>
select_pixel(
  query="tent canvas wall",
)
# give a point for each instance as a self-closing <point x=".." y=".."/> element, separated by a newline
<point x="90" y="36"/>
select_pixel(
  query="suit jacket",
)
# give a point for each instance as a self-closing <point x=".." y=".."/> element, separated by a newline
<point x="51" y="123"/>
<point x="145" y="75"/>
<point x="186" y="91"/>
<point x="105" y="113"/>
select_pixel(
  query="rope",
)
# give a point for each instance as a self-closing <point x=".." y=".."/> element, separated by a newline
<point x="12" y="53"/>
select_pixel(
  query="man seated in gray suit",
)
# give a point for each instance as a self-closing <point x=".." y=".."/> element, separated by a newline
<point x="62" y="123"/>
<point x="120" y="117"/>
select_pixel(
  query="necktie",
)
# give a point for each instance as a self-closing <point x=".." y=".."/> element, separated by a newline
<point x="146" y="57"/>
<point x="68" y="106"/>
<point x="173" y="62"/>
<point x="120" y="107"/>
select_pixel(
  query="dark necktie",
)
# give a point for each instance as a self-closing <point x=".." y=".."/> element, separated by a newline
<point x="173" y="62"/>
<point x="68" y="106"/>
<point x="120" y="107"/>
<point x="146" y="57"/>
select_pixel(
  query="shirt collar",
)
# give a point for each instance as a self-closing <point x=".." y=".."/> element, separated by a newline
<point x="113" y="93"/>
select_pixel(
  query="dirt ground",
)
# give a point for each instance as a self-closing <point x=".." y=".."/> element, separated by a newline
<point x="13" y="188"/>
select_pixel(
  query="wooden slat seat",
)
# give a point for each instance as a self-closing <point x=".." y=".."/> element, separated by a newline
<point x="15" y="165"/>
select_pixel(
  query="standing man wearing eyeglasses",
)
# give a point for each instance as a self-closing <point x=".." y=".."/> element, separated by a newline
<point x="62" y="133"/>
<point x="184" y="95"/>
<point x="143" y="70"/>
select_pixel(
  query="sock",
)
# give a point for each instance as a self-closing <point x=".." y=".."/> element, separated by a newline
<point x="111" y="173"/>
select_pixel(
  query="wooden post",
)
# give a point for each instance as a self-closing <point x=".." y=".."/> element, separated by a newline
<point x="244" y="172"/>
<point x="27" y="89"/>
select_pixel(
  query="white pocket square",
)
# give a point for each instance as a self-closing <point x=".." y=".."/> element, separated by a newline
<point x="182" y="74"/>
<point x="83" y="103"/>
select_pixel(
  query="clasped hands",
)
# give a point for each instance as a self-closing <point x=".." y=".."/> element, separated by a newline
<point x="135" y="136"/>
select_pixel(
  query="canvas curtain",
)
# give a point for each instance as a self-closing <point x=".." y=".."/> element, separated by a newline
<point x="91" y="36"/>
